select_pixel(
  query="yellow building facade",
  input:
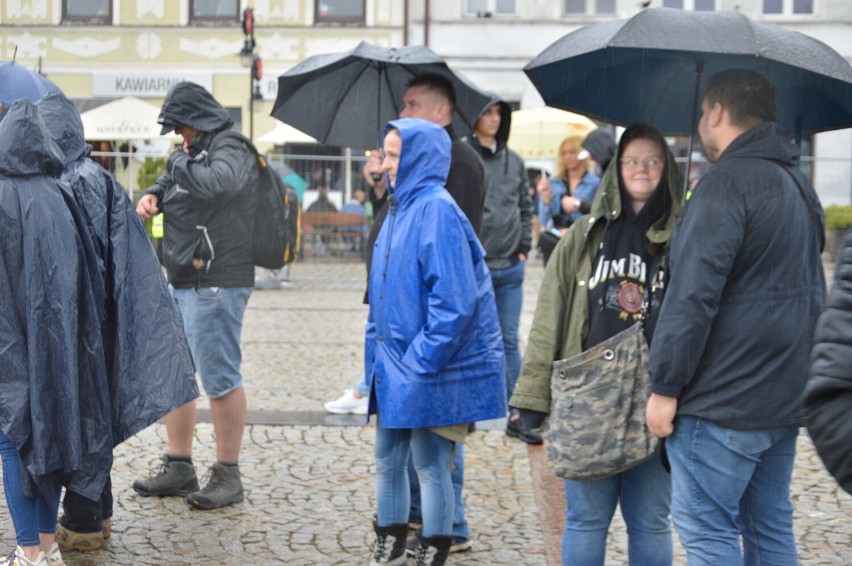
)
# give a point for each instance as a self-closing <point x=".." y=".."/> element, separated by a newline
<point x="97" y="50"/>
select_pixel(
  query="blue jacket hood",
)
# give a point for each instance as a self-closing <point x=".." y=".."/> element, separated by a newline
<point x="66" y="127"/>
<point x="425" y="158"/>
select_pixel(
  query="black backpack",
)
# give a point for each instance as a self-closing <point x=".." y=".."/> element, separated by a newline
<point x="277" y="229"/>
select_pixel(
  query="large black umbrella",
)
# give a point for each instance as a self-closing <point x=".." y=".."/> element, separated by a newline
<point x="650" y="67"/>
<point x="346" y="99"/>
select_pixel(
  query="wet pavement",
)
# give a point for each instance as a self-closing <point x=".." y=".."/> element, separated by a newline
<point x="309" y="476"/>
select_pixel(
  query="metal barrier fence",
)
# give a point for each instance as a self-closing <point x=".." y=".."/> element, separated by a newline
<point x="832" y="177"/>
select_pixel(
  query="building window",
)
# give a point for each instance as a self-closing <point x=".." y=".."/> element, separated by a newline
<point x="589" y="7"/>
<point x="788" y="7"/>
<point x="87" y="11"/>
<point x="214" y="10"/>
<point x="340" y="11"/>
<point x="694" y="5"/>
<point x="482" y="7"/>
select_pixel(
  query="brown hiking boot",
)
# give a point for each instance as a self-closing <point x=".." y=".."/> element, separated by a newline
<point x="81" y="542"/>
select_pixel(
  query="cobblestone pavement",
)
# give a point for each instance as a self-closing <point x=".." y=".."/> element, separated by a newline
<point x="309" y="480"/>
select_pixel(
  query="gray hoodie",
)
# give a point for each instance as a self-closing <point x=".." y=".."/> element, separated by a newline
<point x="507" y="215"/>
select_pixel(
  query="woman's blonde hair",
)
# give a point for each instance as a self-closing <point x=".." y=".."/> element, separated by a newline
<point x="577" y="141"/>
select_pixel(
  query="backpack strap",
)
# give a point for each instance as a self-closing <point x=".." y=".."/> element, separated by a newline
<point x="811" y="209"/>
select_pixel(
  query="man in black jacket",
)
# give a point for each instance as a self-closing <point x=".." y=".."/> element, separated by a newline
<point x="506" y="235"/>
<point x="730" y="354"/>
<point x="432" y="97"/>
<point x="209" y="196"/>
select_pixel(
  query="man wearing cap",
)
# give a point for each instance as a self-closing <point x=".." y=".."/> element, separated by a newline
<point x="209" y="197"/>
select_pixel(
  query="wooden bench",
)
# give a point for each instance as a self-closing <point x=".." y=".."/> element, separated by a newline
<point x="333" y="233"/>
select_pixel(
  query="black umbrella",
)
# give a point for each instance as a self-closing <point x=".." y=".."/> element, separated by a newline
<point x="346" y="99"/>
<point x="650" y="67"/>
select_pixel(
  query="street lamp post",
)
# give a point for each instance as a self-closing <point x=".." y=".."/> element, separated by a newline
<point x="250" y="59"/>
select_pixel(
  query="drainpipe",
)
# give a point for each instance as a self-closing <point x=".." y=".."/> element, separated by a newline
<point x="405" y="23"/>
<point x="426" y="23"/>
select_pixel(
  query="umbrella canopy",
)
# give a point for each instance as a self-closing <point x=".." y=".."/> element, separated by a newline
<point x="649" y="68"/>
<point x="536" y="133"/>
<point x="127" y="118"/>
<point x="286" y="134"/>
<point x="18" y="82"/>
<point x="346" y="99"/>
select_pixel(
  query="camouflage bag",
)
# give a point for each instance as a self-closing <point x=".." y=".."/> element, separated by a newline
<point x="596" y="425"/>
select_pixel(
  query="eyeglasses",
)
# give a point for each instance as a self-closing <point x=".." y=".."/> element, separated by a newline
<point x="635" y="162"/>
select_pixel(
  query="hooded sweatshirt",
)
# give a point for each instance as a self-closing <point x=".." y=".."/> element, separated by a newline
<point x="434" y="351"/>
<point x="208" y="195"/>
<point x="507" y="213"/>
<point x="561" y="324"/>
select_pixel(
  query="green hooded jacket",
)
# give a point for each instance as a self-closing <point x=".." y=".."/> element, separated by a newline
<point x="561" y="320"/>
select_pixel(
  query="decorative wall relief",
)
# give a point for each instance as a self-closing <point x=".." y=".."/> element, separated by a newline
<point x="156" y="8"/>
<point x="149" y="45"/>
<point x="286" y="10"/>
<point x="211" y="48"/>
<point x="87" y="47"/>
<point x="280" y="47"/>
<point x="383" y="12"/>
<point x="26" y="8"/>
<point x="29" y="46"/>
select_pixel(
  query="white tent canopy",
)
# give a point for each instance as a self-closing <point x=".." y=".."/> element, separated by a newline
<point x="127" y="118"/>
<point x="285" y="134"/>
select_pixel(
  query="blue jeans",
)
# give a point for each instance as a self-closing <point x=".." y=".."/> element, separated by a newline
<point x="460" y="528"/>
<point x="432" y="458"/>
<point x="644" y="493"/>
<point x="29" y="516"/>
<point x="509" y="294"/>
<point x="731" y="483"/>
<point x="213" y="322"/>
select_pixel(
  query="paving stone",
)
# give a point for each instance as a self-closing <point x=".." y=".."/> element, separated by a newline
<point x="310" y="487"/>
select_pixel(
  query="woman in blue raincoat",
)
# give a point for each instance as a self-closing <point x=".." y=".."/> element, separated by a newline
<point x="434" y="355"/>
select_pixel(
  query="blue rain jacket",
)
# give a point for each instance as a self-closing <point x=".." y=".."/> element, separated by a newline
<point x="91" y="344"/>
<point x="434" y="352"/>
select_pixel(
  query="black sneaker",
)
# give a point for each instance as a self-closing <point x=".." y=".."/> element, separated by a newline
<point x="389" y="547"/>
<point x="432" y="551"/>
<point x="458" y="545"/>
<point x="174" y="478"/>
<point x="223" y="488"/>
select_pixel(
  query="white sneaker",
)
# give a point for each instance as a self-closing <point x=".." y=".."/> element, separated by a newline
<point x="348" y="404"/>
<point x="53" y="556"/>
<point x="18" y="558"/>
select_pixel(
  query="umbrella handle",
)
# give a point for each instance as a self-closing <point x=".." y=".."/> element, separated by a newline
<point x="699" y="70"/>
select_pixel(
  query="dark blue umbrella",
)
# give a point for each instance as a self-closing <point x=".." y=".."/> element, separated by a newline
<point x="18" y="82"/>
<point x="650" y="67"/>
<point x="346" y="99"/>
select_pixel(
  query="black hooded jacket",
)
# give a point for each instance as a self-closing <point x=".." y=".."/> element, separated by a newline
<point x="507" y="212"/>
<point x="828" y="396"/>
<point x="91" y="343"/>
<point x="208" y="196"/>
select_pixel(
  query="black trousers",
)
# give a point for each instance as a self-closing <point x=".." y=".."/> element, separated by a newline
<point x="83" y="515"/>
